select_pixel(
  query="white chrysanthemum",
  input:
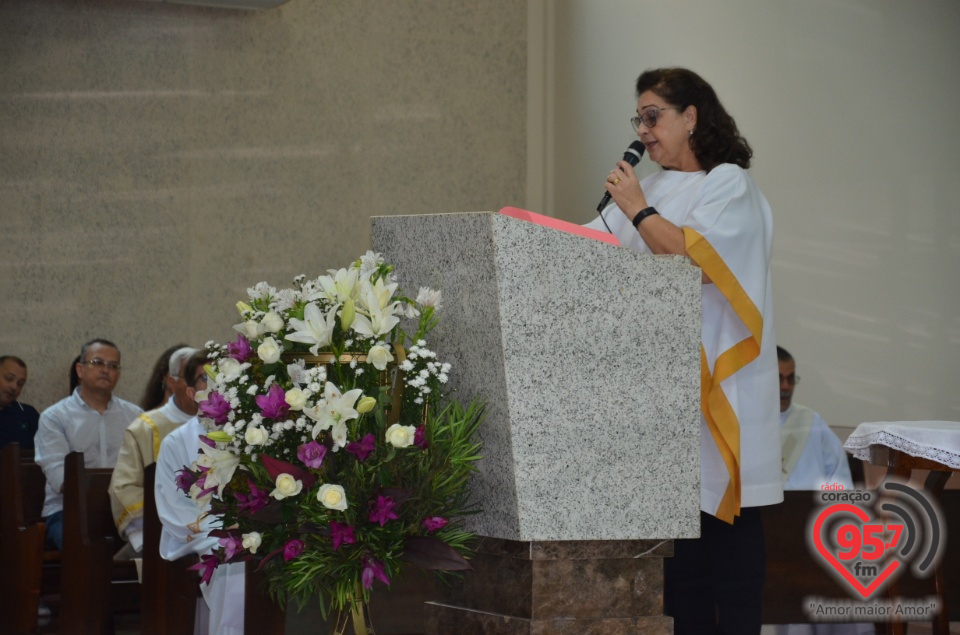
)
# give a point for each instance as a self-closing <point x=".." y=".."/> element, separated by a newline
<point x="428" y="297"/>
<point x="260" y="290"/>
<point x="297" y="372"/>
<point x="284" y="300"/>
<point x="369" y="263"/>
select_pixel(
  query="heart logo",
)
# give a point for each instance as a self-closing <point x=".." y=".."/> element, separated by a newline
<point x="833" y="559"/>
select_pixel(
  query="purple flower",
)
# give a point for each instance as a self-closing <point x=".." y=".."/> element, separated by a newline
<point x="373" y="569"/>
<point x="434" y="523"/>
<point x="208" y="562"/>
<point x="292" y="549"/>
<point x="253" y="502"/>
<point x="185" y="480"/>
<point x="342" y="534"/>
<point x="204" y="439"/>
<point x="215" y="407"/>
<point x="311" y="454"/>
<point x="382" y="510"/>
<point x="273" y="405"/>
<point x="362" y="448"/>
<point x="240" y="350"/>
<point x="420" y="438"/>
<point x="231" y="545"/>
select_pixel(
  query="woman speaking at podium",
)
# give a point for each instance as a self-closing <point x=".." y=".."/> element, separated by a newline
<point x="704" y="205"/>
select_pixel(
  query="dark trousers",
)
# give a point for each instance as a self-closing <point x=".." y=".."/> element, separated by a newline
<point x="713" y="585"/>
<point x="54" y="523"/>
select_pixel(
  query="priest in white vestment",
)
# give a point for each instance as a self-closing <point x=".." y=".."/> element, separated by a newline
<point x="813" y="458"/>
<point x="185" y="531"/>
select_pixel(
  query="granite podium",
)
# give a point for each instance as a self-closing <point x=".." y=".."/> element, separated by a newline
<point x="587" y="357"/>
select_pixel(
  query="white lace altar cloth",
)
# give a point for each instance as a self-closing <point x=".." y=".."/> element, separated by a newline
<point x="934" y="440"/>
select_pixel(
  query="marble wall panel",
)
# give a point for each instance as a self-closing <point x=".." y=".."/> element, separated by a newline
<point x="158" y="159"/>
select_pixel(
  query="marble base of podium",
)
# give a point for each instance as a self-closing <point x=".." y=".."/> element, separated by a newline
<point x="613" y="587"/>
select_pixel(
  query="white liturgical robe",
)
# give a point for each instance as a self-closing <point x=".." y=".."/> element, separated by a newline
<point x="728" y="232"/>
<point x="185" y="528"/>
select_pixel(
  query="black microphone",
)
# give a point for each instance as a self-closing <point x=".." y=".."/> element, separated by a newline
<point x="632" y="156"/>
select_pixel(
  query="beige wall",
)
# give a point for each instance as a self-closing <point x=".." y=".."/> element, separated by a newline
<point x="156" y="160"/>
<point x="851" y="107"/>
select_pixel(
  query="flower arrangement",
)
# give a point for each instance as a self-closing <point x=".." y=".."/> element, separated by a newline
<point x="331" y="456"/>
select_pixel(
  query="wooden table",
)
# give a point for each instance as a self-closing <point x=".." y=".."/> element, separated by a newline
<point x="886" y="445"/>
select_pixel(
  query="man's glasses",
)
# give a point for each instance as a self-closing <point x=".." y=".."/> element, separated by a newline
<point x="96" y="362"/>
<point x="650" y="116"/>
<point x="793" y="380"/>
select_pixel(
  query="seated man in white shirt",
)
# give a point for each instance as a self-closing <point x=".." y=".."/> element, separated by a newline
<point x="186" y="527"/>
<point x="91" y="420"/>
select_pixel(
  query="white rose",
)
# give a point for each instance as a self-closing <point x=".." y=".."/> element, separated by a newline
<point x="229" y="368"/>
<point x="379" y="356"/>
<point x="255" y="435"/>
<point x="269" y="350"/>
<point x="252" y="541"/>
<point x="286" y="486"/>
<point x="295" y="398"/>
<point x="401" y="436"/>
<point x="272" y="322"/>
<point x="332" y="497"/>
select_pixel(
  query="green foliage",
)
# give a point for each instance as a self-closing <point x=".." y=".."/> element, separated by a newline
<point x="403" y="471"/>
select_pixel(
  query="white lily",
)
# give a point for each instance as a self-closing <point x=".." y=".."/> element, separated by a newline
<point x="382" y="292"/>
<point x="338" y="432"/>
<point x="341" y="286"/>
<point x="335" y="407"/>
<point x="379" y="322"/>
<point x="314" y="328"/>
<point x="221" y="465"/>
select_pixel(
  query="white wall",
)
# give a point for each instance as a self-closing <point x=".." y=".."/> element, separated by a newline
<point x="853" y="110"/>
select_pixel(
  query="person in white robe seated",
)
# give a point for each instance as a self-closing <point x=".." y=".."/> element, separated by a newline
<point x="186" y="527"/>
<point x="813" y="455"/>
<point x="813" y="459"/>
<point x="141" y="445"/>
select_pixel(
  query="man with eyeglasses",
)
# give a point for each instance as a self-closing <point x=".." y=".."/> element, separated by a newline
<point x="812" y="454"/>
<point x="141" y="444"/>
<point x="91" y="420"/>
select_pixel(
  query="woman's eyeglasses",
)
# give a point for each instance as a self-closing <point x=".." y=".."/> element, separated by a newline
<point x="650" y="116"/>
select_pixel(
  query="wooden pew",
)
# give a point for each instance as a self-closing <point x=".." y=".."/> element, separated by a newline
<point x="26" y="568"/>
<point x="93" y="586"/>
<point x="169" y="591"/>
